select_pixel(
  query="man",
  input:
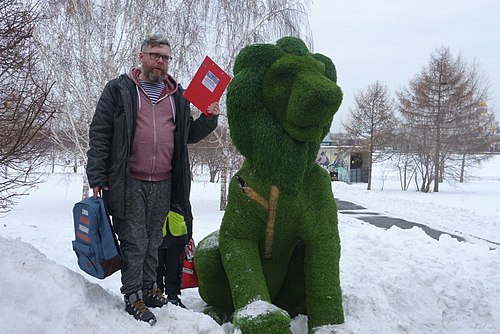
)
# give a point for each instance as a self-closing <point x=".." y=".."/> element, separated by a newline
<point x="138" y="158"/>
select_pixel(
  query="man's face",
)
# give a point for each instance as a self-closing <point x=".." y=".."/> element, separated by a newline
<point x="155" y="62"/>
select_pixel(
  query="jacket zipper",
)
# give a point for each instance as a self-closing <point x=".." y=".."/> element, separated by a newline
<point x="153" y="167"/>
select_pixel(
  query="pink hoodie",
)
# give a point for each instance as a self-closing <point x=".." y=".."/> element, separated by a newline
<point x="153" y="146"/>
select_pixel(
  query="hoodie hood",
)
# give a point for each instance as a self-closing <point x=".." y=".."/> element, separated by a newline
<point x="170" y="84"/>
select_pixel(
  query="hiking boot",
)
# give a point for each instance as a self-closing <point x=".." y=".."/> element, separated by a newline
<point x="134" y="305"/>
<point x="175" y="300"/>
<point x="154" y="297"/>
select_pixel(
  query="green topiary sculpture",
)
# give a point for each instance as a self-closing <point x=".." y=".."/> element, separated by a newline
<point x="278" y="249"/>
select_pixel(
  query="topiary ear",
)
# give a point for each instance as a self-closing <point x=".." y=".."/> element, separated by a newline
<point x="293" y="45"/>
<point x="244" y="93"/>
<point x="259" y="56"/>
<point x="330" y="71"/>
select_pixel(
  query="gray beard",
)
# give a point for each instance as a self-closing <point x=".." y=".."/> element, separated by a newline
<point x="155" y="78"/>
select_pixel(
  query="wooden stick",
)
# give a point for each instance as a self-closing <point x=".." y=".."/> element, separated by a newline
<point x="270" y="206"/>
<point x="256" y="197"/>
<point x="273" y="200"/>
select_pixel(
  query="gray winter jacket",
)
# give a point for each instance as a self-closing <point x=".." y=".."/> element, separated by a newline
<point x="110" y="139"/>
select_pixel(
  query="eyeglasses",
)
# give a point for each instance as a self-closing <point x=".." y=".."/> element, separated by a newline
<point x="155" y="56"/>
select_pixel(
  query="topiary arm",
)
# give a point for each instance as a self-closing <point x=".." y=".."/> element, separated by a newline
<point x="239" y="244"/>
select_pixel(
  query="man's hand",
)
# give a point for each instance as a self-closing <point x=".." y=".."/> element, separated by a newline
<point x="97" y="189"/>
<point x="213" y="109"/>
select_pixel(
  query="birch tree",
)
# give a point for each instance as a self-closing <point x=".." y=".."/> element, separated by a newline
<point x="238" y="23"/>
<point x="84" y="44"/>
<point x="90" y="42"/>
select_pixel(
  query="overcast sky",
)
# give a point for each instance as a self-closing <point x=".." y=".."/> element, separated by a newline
<point x="392" y="40"/>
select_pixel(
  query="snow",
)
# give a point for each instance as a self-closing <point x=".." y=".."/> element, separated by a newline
<point x="257" y="308"/>
<point x="393" y="281"/>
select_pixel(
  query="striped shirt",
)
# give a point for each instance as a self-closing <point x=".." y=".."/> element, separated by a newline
<point x="153" y="89"/>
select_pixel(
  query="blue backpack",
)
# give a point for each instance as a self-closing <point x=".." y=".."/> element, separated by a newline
<point x="95" y="242"/>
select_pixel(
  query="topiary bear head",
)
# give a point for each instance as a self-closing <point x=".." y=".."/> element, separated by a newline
<point x="281" y="91"/>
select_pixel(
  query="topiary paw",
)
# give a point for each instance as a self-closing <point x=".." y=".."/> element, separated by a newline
<point x="218" y="314"/>
<point x="261" y="317"/>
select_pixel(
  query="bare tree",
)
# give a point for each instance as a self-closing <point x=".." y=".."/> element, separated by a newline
<point x="90" y="42"/>
<point x="207" y="154"/>
<point x="371" y="123"/>
<point x="471" y="150"/>
<point x="84" y="44"/>
<point x="440" y="100"/>
<point x="25" y="109"/>
<point x="404" y="161"/>
<point x="210" y="154"/>
<point x="247" y="22"/>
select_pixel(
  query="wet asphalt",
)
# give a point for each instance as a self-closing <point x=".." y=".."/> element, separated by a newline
<point x="387" y="222"/>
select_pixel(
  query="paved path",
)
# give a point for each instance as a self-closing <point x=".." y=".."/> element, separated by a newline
<point x="386" y="222"/>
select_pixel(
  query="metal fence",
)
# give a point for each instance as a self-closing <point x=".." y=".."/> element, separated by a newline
<point x="357" y="175"/>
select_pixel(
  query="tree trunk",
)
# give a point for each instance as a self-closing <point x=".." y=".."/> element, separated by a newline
<point x="437" y="161"/>
<point x="462" y="169"/>
<point x="75" y="165"/>
<point x="369" y="186"/>
<point x="85" y="187"/>
<point x="223" y="187"/>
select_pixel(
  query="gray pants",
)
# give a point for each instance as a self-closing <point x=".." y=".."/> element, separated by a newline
<point x="140" y="233"/>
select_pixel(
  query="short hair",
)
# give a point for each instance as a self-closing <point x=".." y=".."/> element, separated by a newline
<point x="155" y="40"/>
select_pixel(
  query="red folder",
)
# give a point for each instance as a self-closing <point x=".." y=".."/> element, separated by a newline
<point x="207" y="85"/>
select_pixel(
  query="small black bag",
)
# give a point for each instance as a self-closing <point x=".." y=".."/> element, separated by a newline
<point x="174" y="229"/>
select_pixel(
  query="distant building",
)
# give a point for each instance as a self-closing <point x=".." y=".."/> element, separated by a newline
<point x="343" y="159"/>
